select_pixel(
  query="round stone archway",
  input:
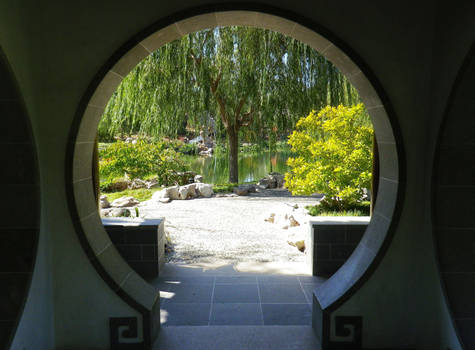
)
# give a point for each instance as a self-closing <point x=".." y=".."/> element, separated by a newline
<point x="102" y="253"/>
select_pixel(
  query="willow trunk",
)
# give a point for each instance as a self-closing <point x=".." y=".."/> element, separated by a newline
<point x="233" y="143"/>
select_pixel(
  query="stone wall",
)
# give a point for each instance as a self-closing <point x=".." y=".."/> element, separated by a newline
<point x="331" y="242"/>
<point x="20" y="203"/>
<point x="141" y="242"/>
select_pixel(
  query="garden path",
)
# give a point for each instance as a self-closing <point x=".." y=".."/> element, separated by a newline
<point x="231" y="230"/>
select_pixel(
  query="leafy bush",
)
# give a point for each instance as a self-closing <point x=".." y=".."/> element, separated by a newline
<point x="171" y="169"/>
<point x="334" y="156"/>
<point x="182" y="147"/>
<point x="140" y="160"/>
<point x="188" y="148"/>
<point x="359" y="209"/>
<point x="127" y="159"/>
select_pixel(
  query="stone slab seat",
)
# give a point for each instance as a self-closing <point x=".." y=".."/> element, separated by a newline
<point x="140" y="242"/>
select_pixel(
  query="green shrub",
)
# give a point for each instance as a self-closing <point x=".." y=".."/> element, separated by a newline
<point x="187" y="148"/>
<point x="171" y="169"/>
<point x="140" y="160"/>
<point x="357" y="209"/>
<point x="334" y="156"/>
<point x="127" y="159"/>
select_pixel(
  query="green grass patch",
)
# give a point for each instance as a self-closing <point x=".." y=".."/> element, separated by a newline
<point x="141" y="194"/>
<point x="223" y="188"/>
<point x="338" y="213"/>
<point x="228" y="187"/>
<point x="361" y="209"/>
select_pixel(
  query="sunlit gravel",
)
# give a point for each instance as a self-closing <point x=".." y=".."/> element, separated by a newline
<point x="232" y="229"/>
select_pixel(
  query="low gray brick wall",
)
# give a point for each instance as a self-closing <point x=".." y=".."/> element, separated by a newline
<point x="141" y="242"/>
<point x="331" y="242"/>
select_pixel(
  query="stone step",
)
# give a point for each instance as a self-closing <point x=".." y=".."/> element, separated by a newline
<point x="237" y="338"/>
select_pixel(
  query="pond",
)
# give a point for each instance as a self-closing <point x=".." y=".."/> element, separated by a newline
<point x="252" y="167"/>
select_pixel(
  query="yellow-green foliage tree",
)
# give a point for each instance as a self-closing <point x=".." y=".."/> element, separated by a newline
<point x="334" y="155"/>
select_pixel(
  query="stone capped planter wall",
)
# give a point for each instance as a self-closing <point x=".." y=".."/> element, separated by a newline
<point x="141" y="242"/>
<point x="331" y="242"/>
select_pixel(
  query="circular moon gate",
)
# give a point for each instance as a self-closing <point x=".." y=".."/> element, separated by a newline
<point x="95" y="241"/>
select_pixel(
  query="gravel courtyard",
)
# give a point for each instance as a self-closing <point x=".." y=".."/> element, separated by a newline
<point x="233" y="229"/>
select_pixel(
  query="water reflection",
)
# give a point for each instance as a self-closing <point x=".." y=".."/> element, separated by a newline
<point x="251" y="167"/>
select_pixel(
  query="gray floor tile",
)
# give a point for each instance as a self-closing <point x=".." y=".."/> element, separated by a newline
<point x="236" y="293"/>
<point x="308" y="290"/>
<point x="188" y="293"/>
<point x="312" y="279"/>
<point x="237" y="337"/>
<point x="280" y="279"/>
<point x="184" y="314"/>
<point x="287" y="314"/>
<point x="281" y="293"/>
<point x="236" y="280"/>
<point x="185" y="280"/>
<point x="231" y="314"/>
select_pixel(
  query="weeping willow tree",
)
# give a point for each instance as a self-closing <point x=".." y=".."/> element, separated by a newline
<point x="252" y="82"/>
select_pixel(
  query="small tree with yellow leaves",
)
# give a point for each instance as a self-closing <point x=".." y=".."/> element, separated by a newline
<point x="334" y="156"/>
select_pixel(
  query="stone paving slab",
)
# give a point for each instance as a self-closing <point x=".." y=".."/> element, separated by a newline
<point x="237" y="338"/>
<point x="201" y="297"/>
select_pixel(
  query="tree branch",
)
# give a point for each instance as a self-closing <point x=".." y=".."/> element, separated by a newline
<point x="222" y="110"/>
<point x="208" y="34"/>
<point x="197" y="60"/>
<point x="215" y="83"/>
<point x="239" y="107"/>
<point x="246" y="118"/>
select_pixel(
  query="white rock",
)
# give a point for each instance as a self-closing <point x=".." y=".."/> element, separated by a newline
<point x="198" y="178"/>
<point x="159" y="194"/>
<point x="172" y="192"/>
<point x="137" y="183"/>
<point x="169" y="192"/>
<point x="123" y="202"/>
<point x="164" y="200"/>
<point x="187" y="191"/>
<point x="183" y="192"/>
<point x="105" y="212"/>
<point x="115" y="212"/>
<point x="204" y="190"/>
<point x="103" y="202"/>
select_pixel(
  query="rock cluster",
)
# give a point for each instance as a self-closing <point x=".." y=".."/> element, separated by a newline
<point x="118" y="207"/>
<point x="273" y="180"/>
<point x="124" y="202"/>
<point x="244" y="190"/>
<point x="131" y="184"/>
<point x="189" y="191"/>
<point x="115" y="212"/>
<point x="139" y="183"/>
